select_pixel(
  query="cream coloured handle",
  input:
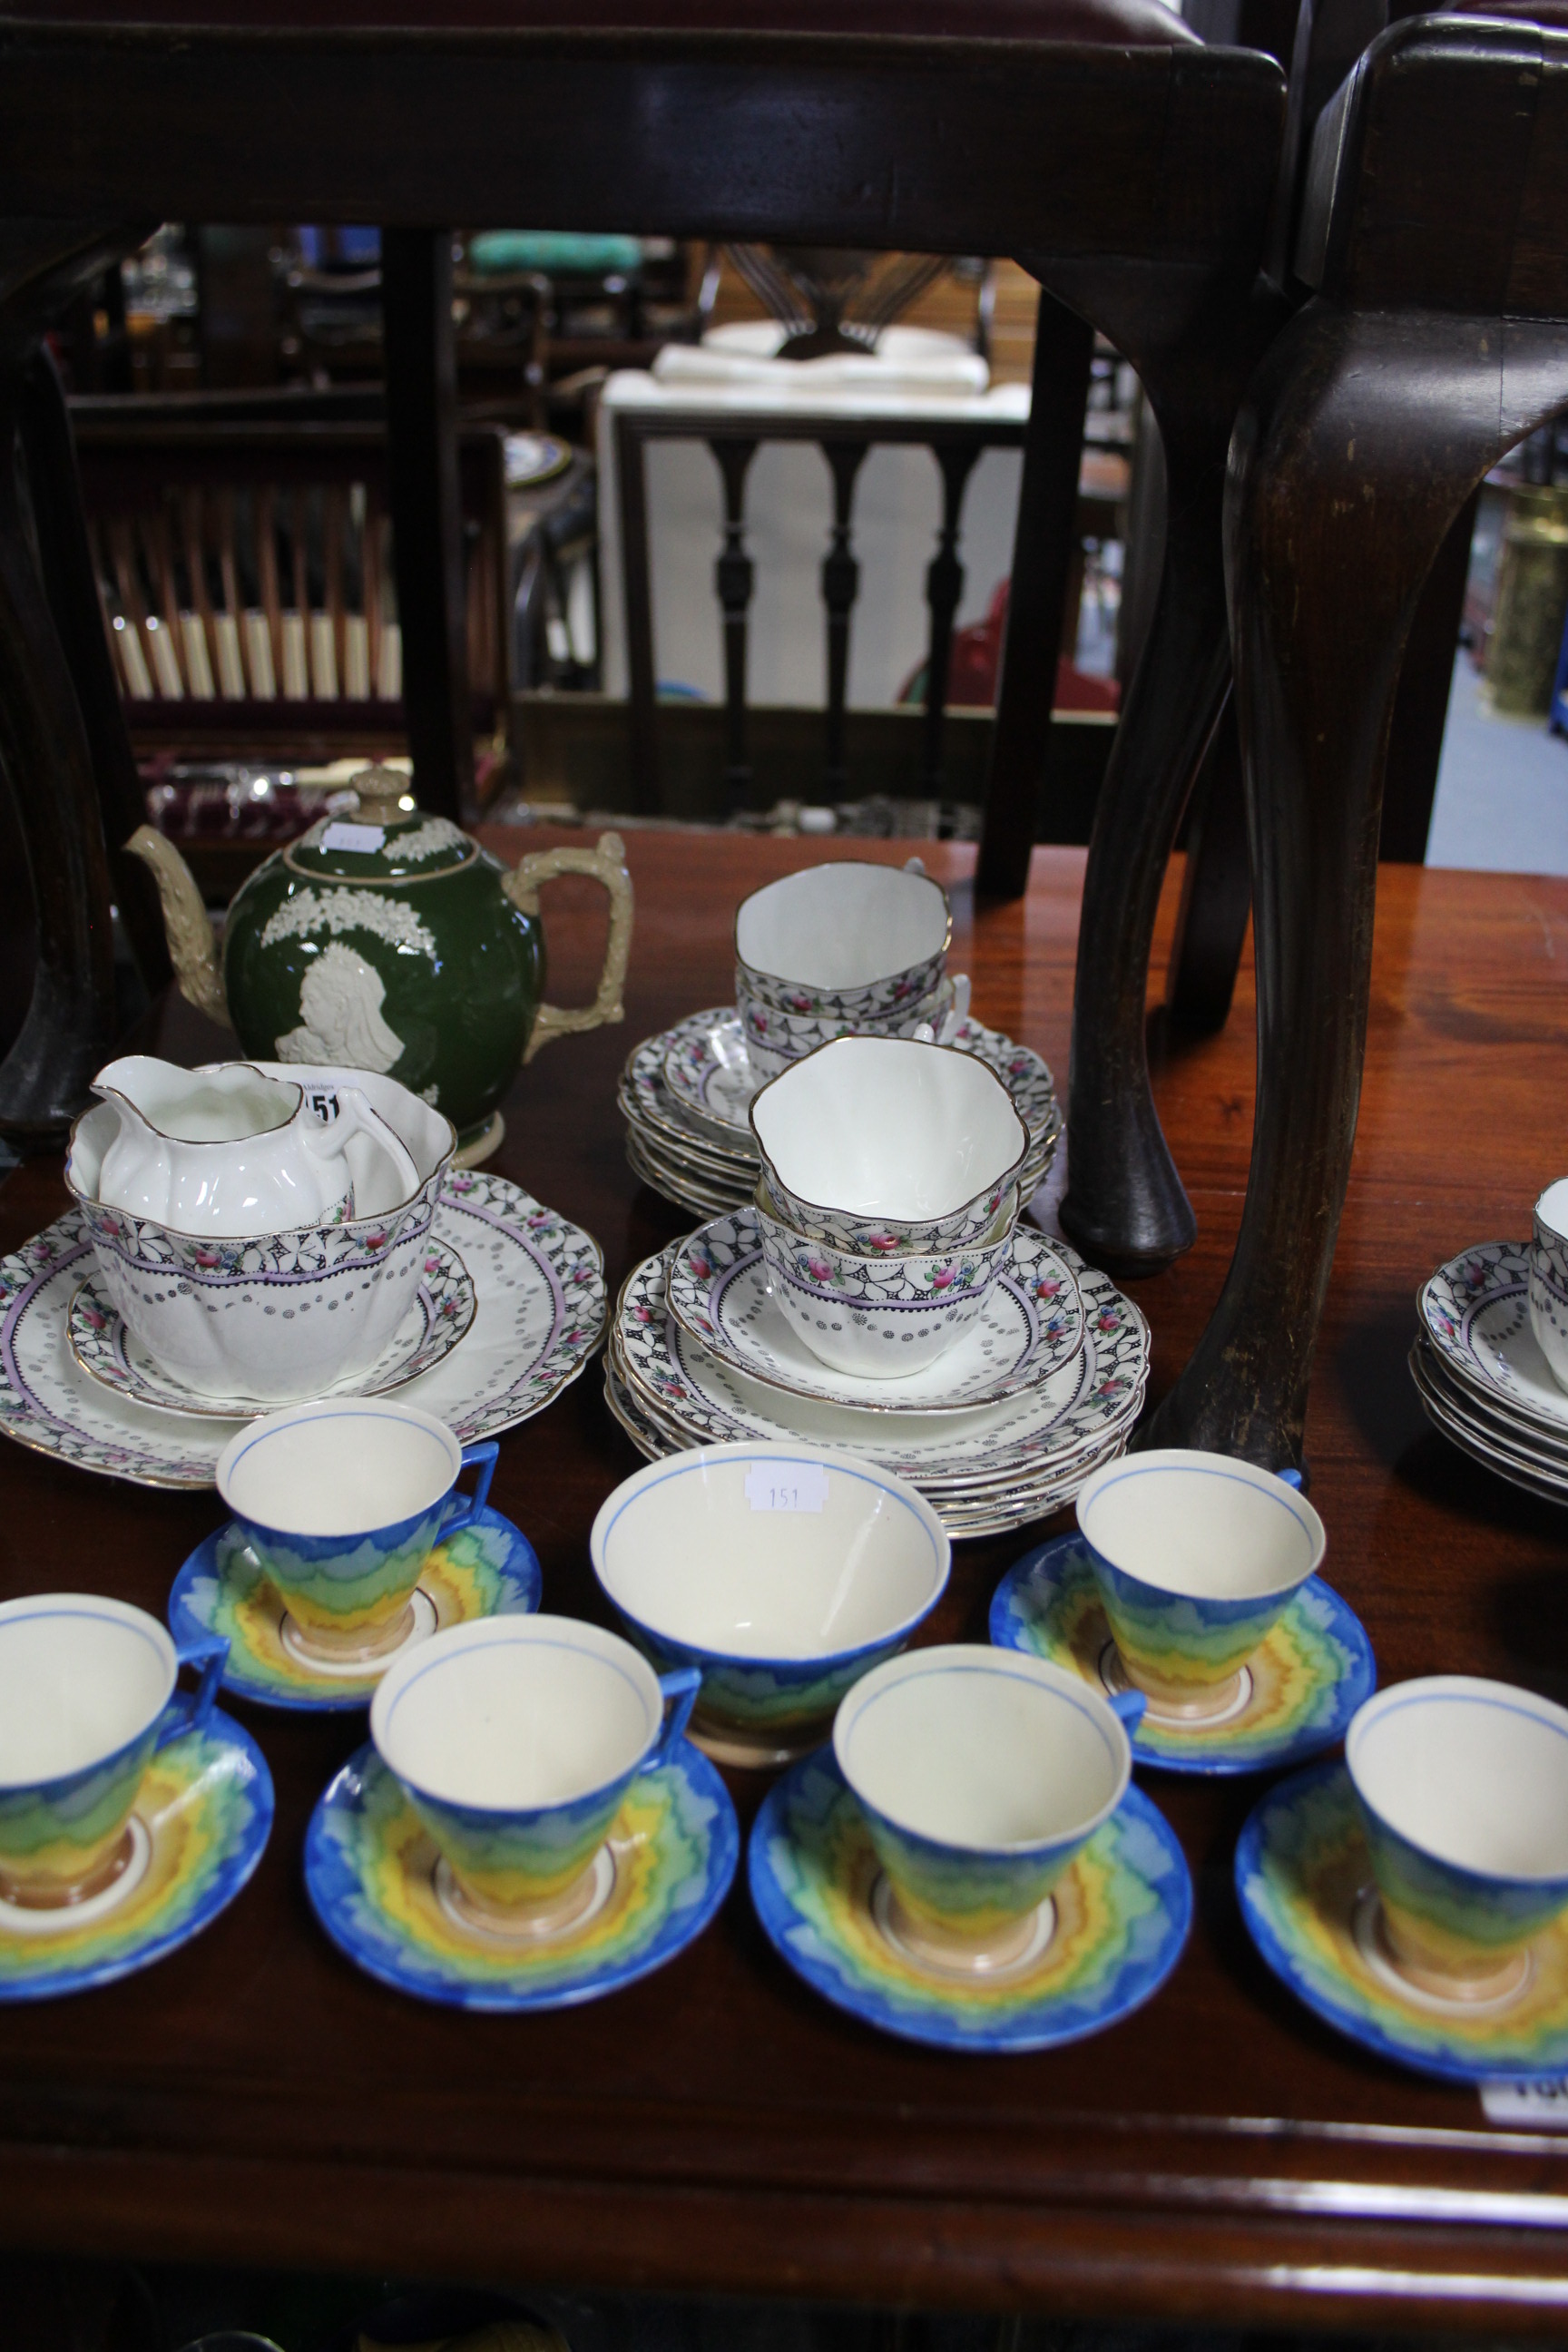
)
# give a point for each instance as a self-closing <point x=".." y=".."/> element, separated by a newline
<point x="606" y="862"/>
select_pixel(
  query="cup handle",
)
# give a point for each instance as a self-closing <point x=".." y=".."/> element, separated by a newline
<point x="680" y="1690"/>
<point x="187" y="1710"/>
<point x="955" y="1019"/>
<point x="1130" y="1705"/>
<point x="467" y="1507"/>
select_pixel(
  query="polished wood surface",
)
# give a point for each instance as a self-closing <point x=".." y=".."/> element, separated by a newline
<point x="1219" y="2156"/>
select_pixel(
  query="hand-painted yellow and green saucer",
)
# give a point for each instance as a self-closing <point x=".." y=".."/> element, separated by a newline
<point x="1120" y="1918"/>
<point x="487" y="1570"/>
<point x="1304" y="1683"/>
<point x="199" y="1828"/>
<point x="1303" y="1878"/>
<point x="371" y="1873"/>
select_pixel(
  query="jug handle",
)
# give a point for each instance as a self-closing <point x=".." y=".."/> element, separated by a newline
<point x="355" y="1116"/>
<point x="607" y="864"/>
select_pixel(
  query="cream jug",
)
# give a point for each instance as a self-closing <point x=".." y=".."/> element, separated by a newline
<point x="231" y="1152"/>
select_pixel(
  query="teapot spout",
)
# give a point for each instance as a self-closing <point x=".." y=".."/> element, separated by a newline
<point x="193" y="950"/>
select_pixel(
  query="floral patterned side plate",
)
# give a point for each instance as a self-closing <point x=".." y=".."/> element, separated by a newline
<point x="200" y="1826"/>
<point x="369" y="1873"/>
<point x="1022" y="1071"/>
<point x="1304" y="1880"/>
<point x="444" y="1305"/>
<point x="487" y="1570"/>
<point x="1030" y="1324"/>
<point x="1476" y="1313"/>
<point x="1121" y="1913"/>
<point x="1305" y="1682"/>
<point x="964" y="1515"/>
<point x="540" y="1284"/>
<point x="1035" y="1429"/>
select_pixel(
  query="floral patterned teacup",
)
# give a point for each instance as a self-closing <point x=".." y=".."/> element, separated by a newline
<point x="880" y="1318"/>
<point x="849" y="941"/>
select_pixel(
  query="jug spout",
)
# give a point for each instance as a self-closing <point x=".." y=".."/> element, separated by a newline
<point x="193" y="950"/>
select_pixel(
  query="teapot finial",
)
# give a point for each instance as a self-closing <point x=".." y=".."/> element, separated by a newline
<point x="381" y="793"/>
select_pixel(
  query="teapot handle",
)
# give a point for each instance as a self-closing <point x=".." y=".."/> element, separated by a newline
<point x="606" y="862"/>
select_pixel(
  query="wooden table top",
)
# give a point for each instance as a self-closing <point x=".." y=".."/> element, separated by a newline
<point x="1219" y="2155"/>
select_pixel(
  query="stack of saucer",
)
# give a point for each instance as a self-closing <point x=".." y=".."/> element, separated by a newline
<point x="842" y="949"/>
<point x="879" y="1297"/>
<point x="1481" y="1372"/>
<point x="686" y="1096"/>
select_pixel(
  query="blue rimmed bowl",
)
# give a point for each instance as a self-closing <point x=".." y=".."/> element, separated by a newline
<point x="782" y="1573"/>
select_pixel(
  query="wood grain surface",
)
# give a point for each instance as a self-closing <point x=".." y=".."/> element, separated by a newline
<point x="1218" y="2155"/>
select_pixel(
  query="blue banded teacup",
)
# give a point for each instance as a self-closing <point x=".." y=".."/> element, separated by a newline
<point x="515" y="1740"/>
<point x="87" y="1695"/>
<point x="1195" y="1556"/>
<point x="981" y="1774"/>
<point x="1462" y="1787"/>
<point x="340" y="1504"/>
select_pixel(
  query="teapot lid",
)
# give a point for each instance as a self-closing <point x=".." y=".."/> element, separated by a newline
<point x="384" y="841"/>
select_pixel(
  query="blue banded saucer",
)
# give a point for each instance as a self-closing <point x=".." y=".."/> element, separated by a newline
<point x="486" y="1570"/>
<point x="371" y="1873"/>
<point x="1304" y="1683"/>
<point x="1122" y="1909"/>
<point x="198" y="1829"/>
<point x="1303" y="1878"/>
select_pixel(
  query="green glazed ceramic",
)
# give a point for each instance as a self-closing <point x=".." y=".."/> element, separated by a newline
<point x="392" y="941"/>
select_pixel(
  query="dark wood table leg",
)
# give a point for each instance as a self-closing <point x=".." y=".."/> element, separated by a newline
<point x="1360" y="442"/>
<point x="427" y="514"/>
<point x="1216" y="892"/>
<point x="65" y="557"/>
<point x="68" y="1030"/>
<point x="1125" y="1205"/>
<point x="1042" y="541"/>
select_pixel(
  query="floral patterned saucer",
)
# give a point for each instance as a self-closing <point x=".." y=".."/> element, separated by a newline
<point x="1120" y="1917"/>
<point x="1303" y="1878"/>
<point x="487" y="1570"/>
<point x="444" y="1305"/>
<point x="1475" y="1312"/>
<point x="370" y="1874"/>
<point x="1030" y="1324"/>
<point x="710" y="1163"/>
<point x="1303" y="1685"/>
<point x="706" y="1067"/>
<point x="199" y="1829"/>
<point x="538" y="1278"/>
<point x="997" y="1447"/>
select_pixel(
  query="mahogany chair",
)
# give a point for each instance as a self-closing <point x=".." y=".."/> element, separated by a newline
<point x="1127" y="166"/>
<point x="1436" y="337"/>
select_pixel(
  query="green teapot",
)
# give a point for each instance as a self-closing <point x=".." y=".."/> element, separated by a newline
<point x="392" y="941"/>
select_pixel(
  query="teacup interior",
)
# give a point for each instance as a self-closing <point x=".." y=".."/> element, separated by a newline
<point x="338" y="1473"/>
<point x="842" y="925"/>
<point x="75" y="1687"/>
<point x="1553" y="1208"/>
<point x="513" y="1724"/>
<point x="886" y="1127"/>
<point x="690" y="1559"/>
<point x="1205" y="1531"/>
<point x="1476" y="1778"/>
<point x="981" y="1756"/>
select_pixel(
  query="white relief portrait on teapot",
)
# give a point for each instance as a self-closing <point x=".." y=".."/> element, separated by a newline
<point x="340" y="1021"/>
